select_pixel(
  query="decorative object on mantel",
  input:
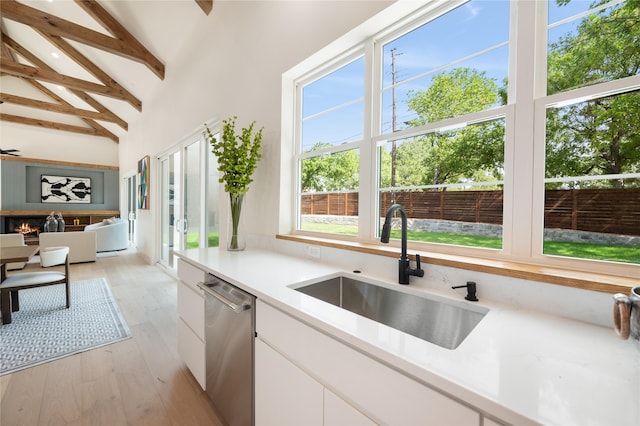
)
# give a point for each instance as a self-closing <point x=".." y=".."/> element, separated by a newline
<point x="143" y="183"/>
<point x="62" y="189"/>
<point x="238" y="156"/>
<point x="54" y="222"/>
<point x="60" y="220"/>
<point x="51" y="224"/>
<point x="76" y="221"/>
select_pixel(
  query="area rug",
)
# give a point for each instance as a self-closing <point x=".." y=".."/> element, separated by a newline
<point x="44" y="330"/>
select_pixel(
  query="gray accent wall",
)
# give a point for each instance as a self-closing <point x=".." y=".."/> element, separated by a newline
<point x="21" y="187"/>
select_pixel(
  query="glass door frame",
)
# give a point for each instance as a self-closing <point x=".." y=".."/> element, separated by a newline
<point x="129" y="203"/>
<point x="204" y="182"/>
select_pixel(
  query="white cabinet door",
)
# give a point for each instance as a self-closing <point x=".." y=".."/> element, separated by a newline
<point x="284" y="394"/>
<point x="386" y="395"/>
<point x="191" y="320"/>
<point x="191" y="308"/>
<point x="191" y="350"/>
<point x="338" y="412"/>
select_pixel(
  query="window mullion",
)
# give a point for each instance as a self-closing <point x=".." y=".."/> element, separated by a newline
<point x="367" y="192"/>
<point x="521" y="213"/>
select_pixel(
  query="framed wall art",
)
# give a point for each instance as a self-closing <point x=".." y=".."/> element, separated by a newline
<point x="143" y="183"/>
<point x="65" y="189"/>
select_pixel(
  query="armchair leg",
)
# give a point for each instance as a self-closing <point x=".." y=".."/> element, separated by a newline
<point x="5" y="306"/>
<point x="67" y="283"/>
<point x="15" y="301"/>
<point x="68" y="293"/>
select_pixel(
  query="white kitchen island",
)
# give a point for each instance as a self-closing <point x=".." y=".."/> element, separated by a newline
<point x="516" y="367"/>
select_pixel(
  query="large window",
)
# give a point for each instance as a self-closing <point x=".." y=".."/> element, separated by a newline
<point x="331" y="129"/>
<point x="446" y="114"/>
<point x="592" y="160"/>
<point x="447" y="80"/>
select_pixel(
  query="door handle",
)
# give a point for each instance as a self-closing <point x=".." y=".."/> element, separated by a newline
<point x="215" y="289"/>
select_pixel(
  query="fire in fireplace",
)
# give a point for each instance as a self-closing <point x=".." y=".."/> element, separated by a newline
<point x="27" y="230"/>
<point x="29" y="226"/>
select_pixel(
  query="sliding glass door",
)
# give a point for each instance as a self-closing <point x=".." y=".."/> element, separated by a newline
<point x="189" y="199"/>
<point x="132" y="197"/>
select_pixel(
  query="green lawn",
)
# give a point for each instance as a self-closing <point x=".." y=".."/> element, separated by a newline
<point x="192" y="240"/>
<point x="593" y="251"/>
<point x="579" y="250"/>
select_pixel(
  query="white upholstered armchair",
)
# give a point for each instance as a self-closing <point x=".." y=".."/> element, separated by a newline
<point x="111" y="234"/>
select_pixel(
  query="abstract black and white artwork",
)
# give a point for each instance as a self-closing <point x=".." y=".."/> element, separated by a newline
<point x="61" y="189"/>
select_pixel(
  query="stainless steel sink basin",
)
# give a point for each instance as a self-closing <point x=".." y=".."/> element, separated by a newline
<point x="442" y="323"/>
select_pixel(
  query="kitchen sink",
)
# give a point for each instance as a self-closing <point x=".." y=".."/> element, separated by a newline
<point x="443" y="323"/>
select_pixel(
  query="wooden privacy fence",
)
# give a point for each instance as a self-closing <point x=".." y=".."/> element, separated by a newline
<point x="614" y="211"/>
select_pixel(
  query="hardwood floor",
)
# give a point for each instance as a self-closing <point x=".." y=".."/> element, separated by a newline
<point x="139" y="381"/>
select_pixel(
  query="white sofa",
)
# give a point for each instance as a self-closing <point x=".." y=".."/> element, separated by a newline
<point x="82" y="245"/>
<point x="112" y="234"/>
<point x="13" y="240"/>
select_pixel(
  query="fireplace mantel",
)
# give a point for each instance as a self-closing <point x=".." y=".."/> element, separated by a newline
<point x="75" y="220"/>
<point x="65" y="213"/>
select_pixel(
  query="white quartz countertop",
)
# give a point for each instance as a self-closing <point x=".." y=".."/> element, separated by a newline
<point x="521" y="366"/>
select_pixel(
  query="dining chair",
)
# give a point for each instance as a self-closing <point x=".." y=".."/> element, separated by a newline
<point x="9" y="301"/>
<point x="13" y="240"/>
<point x="52" y="256"/>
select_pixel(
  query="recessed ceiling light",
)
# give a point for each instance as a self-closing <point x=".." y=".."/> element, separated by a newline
<point x="55" y="55"/>
<point x="62" y="88"/>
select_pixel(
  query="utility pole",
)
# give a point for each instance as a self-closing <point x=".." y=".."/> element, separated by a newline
<point x="393" y="123"/>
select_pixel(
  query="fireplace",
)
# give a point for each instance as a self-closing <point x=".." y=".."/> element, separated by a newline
<point x="29" y="226"/>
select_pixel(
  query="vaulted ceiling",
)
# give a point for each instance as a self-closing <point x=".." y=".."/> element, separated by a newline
<point x="86" y="66"/>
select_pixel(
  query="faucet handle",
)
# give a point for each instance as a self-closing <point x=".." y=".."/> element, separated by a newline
<point x="419" y="271"/>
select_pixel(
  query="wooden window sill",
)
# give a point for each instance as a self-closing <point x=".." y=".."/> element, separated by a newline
<point x="566" y="277"/>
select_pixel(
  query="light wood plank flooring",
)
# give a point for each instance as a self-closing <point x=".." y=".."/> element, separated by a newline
<point x="139" y="381"/>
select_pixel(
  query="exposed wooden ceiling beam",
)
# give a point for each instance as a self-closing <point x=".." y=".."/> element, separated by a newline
<point x="20" y="50"/>
<point x="92" y="68"/>
<point x="93" y="124"/>
<point x="97" y="127"/>
<point x="4" y="50"/>
<point x="205" y="5"/>
<point x="20" y="70"/>
<point x="127" y="47"/>
<point x="56" y="126"/>
<point x="53" y="107"/>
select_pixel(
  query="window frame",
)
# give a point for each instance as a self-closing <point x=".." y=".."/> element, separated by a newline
<point x="524" y="115"/>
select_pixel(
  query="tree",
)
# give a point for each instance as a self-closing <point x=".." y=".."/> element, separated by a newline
<point x="444" y="157"/>
<point x="330" y="172"/>
<point x="599" y="136"/>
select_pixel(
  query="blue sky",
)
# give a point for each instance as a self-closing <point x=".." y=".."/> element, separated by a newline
<point x="462" y="32"/>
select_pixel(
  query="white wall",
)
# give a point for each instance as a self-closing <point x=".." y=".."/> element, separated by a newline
<point x="233" y="65"/>
<point x="41" y="143"/>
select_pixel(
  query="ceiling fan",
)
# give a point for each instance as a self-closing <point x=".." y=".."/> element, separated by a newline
<point x="9" y="152"/>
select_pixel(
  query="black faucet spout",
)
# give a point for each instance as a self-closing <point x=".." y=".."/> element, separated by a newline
<point x="404" y="268"/>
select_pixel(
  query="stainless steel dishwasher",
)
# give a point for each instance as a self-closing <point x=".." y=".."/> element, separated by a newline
<point x="229" y="346"/>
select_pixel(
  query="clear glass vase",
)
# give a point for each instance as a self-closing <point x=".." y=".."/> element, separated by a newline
<point x="236" y="240"/>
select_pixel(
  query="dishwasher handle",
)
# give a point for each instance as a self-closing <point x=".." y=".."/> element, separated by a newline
<point x="231" y="301"/>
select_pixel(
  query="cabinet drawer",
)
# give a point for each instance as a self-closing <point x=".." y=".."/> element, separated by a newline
<point x="190" y="275"/>
<point x="191" y="308"/>
<point x="191" y="350"/>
